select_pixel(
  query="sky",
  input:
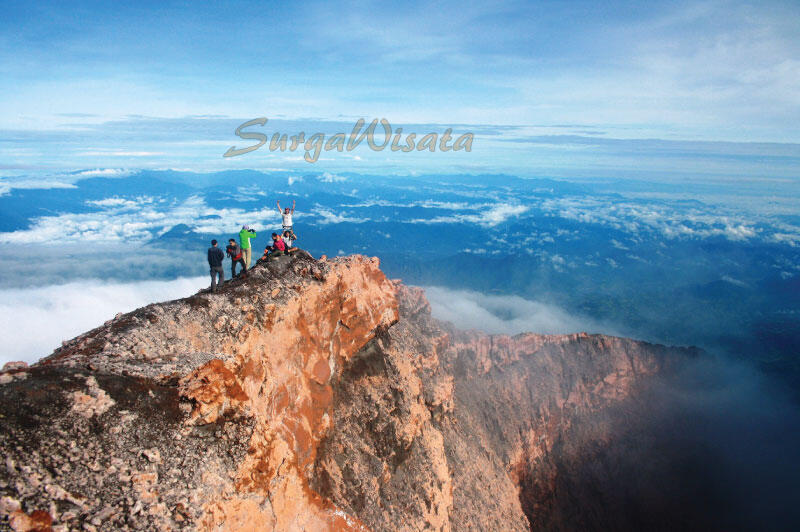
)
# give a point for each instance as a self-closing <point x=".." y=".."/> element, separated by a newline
<point x="99" y="84"/>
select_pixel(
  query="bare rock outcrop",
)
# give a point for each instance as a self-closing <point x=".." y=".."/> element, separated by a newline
<point x="314" y="395"/>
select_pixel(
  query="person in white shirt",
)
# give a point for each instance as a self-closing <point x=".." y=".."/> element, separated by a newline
<point x="287" y="215"/>
<point x="288" y="238"/>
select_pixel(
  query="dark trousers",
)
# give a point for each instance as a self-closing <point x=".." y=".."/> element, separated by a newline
<point x="233" y="267"/>
<point x="216" y="271"/>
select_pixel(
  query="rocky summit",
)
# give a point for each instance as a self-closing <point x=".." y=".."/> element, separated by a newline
<point x="312" y="395"/>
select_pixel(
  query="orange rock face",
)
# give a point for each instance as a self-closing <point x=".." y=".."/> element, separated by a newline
<point x="283" y="380"/>
<point x="315" y="395"/>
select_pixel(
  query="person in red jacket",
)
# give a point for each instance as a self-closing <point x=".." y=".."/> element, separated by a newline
<point x="277" y="248"/>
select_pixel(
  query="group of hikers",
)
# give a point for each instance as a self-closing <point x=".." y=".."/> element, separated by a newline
<point x="241" y="253"/>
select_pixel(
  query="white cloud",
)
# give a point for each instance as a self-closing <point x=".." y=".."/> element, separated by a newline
<point x="136" y="220"/>
<point x="58" y="180"/>
<point x="785" y="238"/>
<point x="329" y="217"/>
<point x="121" y="202"/>
<point x="248" y="193"/>
<point x="487" y="217"/>
<point x="734" y="281"/>
<point x="500" y="213"/>
<point x="105" y="172"/>
<point x="375" y="203"/>
<point x="34" y="321"/>
<point x="427" y="204"/>
<point x="328" y="177"/>
<point x="738" y="232"/>
<point x="673" y="222"/>
<point x="505" y="314"/>
<point x="450" y="205"/>
<point x="119" y="153"/>
<point x="7" y="185"/>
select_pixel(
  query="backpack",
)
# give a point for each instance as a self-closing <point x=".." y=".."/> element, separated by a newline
<point x="230" y="252"/>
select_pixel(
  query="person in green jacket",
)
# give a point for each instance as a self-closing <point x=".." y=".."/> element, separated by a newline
<point x="244" y="238"/>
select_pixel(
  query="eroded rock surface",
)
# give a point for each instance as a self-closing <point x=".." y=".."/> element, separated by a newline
<point x="314" y="395"/>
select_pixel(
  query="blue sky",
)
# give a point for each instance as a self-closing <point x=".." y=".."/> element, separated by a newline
<point x="81" y="73"/>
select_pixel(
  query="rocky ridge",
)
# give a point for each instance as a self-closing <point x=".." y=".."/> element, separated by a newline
<point x="314" y="395"/>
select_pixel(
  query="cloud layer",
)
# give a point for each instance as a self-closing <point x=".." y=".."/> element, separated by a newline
<point x="505" y="314"/>
<point x="34" y="321"/>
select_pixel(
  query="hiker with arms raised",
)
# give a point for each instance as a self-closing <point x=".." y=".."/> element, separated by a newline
<point x="286" y="214"/>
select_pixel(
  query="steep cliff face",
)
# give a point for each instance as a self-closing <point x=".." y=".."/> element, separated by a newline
<point x="315" y="395"/>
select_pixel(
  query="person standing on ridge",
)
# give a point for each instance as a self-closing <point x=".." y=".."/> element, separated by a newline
<point x="215" y="258"/>
<point x="244" y="238"/>
<point x="287" y="215"/>
<point x="235" y="253"/>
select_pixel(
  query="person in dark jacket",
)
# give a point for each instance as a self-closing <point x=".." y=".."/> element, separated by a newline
<point x="235" y="253"/>
<point x="215" y="258"/>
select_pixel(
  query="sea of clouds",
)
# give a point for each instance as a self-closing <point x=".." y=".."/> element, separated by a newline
<point x="35" y="320"/>
<point x="504" y="314"/>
